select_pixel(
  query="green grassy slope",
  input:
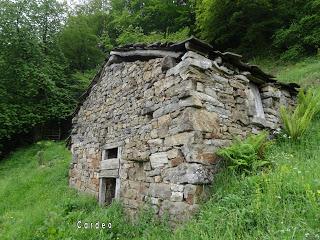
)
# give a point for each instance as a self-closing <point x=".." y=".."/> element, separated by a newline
<point x="284" y="203"/>
<point x="36" y="202"/>
<point x="306" y="72"/>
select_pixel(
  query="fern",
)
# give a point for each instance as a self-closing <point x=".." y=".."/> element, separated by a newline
<point x="296" y="123"/>
<point x="247" y="155"/>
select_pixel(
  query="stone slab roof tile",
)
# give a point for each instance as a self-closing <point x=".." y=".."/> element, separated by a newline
<point x="140" y="51"/>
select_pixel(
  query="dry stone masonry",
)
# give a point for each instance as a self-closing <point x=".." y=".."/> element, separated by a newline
<point x="147" y="129"/>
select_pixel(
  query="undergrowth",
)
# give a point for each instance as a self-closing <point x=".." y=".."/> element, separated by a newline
<point x="248" y="155"/>
<point x="297" y="121"/>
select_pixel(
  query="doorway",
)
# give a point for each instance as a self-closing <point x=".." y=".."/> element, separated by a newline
<point x="110" y="191"/>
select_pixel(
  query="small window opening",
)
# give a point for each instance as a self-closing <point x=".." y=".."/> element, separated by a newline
<point x="111" y="153"/>
<point x="255" y="102"/>
<point x="255" y="106"/>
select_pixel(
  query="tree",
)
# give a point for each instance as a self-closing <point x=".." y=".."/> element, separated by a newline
<point x="33" y="79"/>
<point x="149" y="18"/>
<point x="237" y="24"/>
<point x="301" y="36"/>
<point x="80" y="44"/>
<point x="260" y="26"/>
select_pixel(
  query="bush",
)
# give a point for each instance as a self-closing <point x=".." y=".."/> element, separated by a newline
<point x="296" y="122"/>
<point x="135" y="34"/>
<point x="247" y="156"/>
<point x="294" y="53"/>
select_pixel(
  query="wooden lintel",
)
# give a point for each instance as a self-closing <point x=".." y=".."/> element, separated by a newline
<point x="113" y="145"/>
<point x="112" y="163"/>
<point x="109" y="173"/>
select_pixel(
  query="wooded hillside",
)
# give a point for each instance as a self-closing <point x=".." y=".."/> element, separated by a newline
<point x="49" y="51"/>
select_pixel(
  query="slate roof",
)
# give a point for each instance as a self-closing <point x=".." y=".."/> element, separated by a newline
<point x="134" y="52"/>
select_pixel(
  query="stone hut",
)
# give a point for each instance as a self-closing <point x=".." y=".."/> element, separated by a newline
<point x="148" y="127"/>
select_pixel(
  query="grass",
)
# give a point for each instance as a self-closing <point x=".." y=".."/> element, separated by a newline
<point x="37" y="203"/>
<point x="305" y="72"/>
<point x="282" y="203"/>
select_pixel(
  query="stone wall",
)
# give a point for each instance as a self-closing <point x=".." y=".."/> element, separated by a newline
<point x="169" y="125"/>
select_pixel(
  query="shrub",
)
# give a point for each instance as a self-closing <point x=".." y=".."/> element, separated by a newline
<point x="136" y="34"/>
<point x="296" y="122"/>
<point x="247" y="155"/>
